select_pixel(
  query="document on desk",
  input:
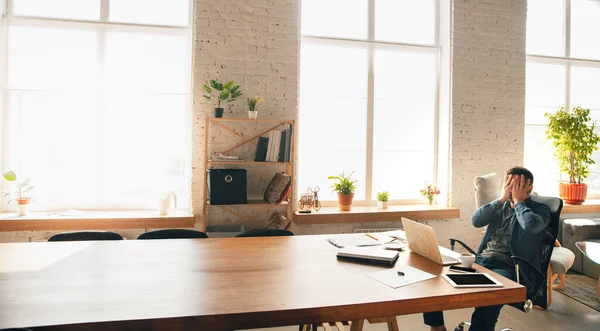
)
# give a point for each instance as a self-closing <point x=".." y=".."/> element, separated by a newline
<point x="401" y="276"/>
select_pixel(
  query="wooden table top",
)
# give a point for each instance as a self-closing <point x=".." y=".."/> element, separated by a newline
<point x="211" y="284"/>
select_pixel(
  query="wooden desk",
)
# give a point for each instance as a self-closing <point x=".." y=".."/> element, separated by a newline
<point x="210" y="284"/>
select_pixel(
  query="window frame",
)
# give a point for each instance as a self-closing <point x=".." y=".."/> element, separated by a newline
<point x="370" y="43"/>
<point x="101" y="27"/>
<point x="568" y="62"/>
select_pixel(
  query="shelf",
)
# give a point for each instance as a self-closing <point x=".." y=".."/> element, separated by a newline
<point x="247" y="162"/>
<point x="361" y="214"/>
<point x="589" y="206"/>
<point x="96" y="220"/>
<point x="213" y="119"/>
<point x="254" y="203"/>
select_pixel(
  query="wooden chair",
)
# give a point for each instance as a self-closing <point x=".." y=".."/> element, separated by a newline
<point x="392" y="324"/>
<point x="86" y="236"/>
<point x="173" y="234"/>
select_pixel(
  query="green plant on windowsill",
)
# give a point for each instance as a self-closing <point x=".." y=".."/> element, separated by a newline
<point x="345" y="187"/>
<point x="20" y="194"/>
<point x="382" y="199"/>
<point x="574" y="137"/>
<point x="221" y="93"/>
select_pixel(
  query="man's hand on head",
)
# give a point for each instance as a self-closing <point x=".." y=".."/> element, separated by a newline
<point x="507" y="187"/>
<point x="521" y="188"/>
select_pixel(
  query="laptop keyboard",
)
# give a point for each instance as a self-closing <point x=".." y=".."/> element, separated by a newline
<point x="448" y="258"/>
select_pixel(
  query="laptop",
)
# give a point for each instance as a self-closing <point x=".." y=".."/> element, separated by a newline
<point x="421" y="240"/>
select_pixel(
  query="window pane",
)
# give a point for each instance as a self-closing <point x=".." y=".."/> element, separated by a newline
<point x="147" y="63"/>
<point x="545" y="27"/>
<point x="333" y="112"/>
<point x="545" y="91"/>
<point x="55" y="59"/>
<point x="405" y="89"/>
<point x="584" y="87"/>
<point x="70" y="9"/>
<point x="540" y="160"/>
<point x="585" y="29"/>
<point x="406" y="21"/>
<point x="335" y="18"/>
<point x="159" y="12"/>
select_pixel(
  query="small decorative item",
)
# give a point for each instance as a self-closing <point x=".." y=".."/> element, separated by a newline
<point x="430" y="192"/>
<point x="253" y="106"/>
<point x="382" y="199"/>
<point x="221" y="93"/>
<point x="573" y="134"/>
<point x="310" y="200"/>
<point x="344" y="186"/>
<point x="20" y="195"/>
<point x="165" y="202"/>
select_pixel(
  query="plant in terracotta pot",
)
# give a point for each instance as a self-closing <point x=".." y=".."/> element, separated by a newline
<point x="20" y="194"/>
<point x="572" y="134"/>
<point x="253" y="104"/>
<point x="220" y="93"/>
<point x="382" y="199"/>
<point x="344" y="186"/>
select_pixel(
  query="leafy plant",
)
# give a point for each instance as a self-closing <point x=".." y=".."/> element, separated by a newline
<point x="343" y="184"/>
<point x="22" y="187"/>
<point x="383" y="196"/>
<point x="254" y="102"/>
<point x="221" y="93"/>
<point x="572" y="134"/>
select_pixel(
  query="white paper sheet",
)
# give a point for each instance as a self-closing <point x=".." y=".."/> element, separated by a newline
<point x="391" y="278"/>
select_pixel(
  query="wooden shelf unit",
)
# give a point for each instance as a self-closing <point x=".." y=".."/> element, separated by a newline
<point x="224" y="123"/>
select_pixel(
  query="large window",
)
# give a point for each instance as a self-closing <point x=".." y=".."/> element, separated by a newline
<point x="97" y="102"/>
<point x="563" y="68"/>
<point x="368" y="95"/>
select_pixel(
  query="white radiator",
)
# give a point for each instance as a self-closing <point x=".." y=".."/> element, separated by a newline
<point x="375" y="230"/>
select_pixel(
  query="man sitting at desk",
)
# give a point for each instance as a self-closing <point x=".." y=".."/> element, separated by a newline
<point x="516" y="226"/>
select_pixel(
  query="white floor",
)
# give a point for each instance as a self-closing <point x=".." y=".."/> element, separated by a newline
<point x="564" y="314"/>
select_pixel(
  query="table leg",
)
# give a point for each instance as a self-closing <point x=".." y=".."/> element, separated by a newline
<point x="357" y="325"/>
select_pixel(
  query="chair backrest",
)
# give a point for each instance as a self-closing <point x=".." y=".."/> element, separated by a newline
<point x="266" y="233"/>
<point x="555" y="204"/>
<point x="173" y="234"/>
<point x="86" y="236"/>
<point x="487" y="189"/>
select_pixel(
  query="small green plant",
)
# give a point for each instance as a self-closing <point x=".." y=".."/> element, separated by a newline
<point x="254" y="102"/>
<point x="22" y="187"/>
<point x="572" y="134"/>
<point x="383" y="196"/>
<point x="343" y="184"/>
<point x="221" y="93"/>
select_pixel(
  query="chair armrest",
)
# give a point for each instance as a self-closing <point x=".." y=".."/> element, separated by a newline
<point x="465" y="246"/>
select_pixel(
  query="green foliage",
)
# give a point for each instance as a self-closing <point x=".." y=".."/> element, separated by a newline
<point x="221" y="93"/>
<point x="22" y="187"/>
<point x="572" y="134"/>
<point x="343" y="184"/>
<point x="383" y="196"/>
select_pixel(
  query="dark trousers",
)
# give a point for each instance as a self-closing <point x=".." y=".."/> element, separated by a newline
<point x="483" y="318"/>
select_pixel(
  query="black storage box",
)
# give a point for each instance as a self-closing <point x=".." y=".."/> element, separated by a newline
<point x="227" y="186"/>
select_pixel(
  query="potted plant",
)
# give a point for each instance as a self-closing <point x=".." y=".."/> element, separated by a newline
<point x="20" y="194"/>
<point x="344" y="186"/>
<point x="382" y="199"/>
<point x="429" y="192"/>
<point x="572" y="134"/>
<point x="253" y="106"/>
<point x="222" y="94"/>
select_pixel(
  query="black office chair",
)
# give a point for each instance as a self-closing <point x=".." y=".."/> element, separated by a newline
<point x="539" y="295"/>
<point x="265" y="233"/>
<point x="15" y="329"/>
<point x="86" y="236"/>
<point x="173" y="234"/>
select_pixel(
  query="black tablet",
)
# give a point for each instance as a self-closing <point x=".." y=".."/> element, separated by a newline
<point x="471" y="280"/>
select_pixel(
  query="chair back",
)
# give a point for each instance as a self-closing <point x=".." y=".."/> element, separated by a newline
<point x="265" y="233"/>
<point x="173" y="234"/>
<point x="86" y="236"/>
<point x="487" y="189"/>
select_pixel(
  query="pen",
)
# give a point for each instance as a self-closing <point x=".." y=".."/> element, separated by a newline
<point x="334" y="243"/>
<point x="400" y="273"/>
<point x="370" y="236"/>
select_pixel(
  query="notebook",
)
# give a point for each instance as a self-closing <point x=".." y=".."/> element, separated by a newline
<point x="368" y="255"/>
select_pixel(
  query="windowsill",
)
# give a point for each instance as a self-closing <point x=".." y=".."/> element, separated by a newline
<point x="96" y="220"/>
<point x="590" y="206"/>
<point x="361" y="214"/>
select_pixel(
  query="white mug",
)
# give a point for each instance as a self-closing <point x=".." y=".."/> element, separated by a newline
<point x="165" y="202"/>
<point x="467" y="259"/>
